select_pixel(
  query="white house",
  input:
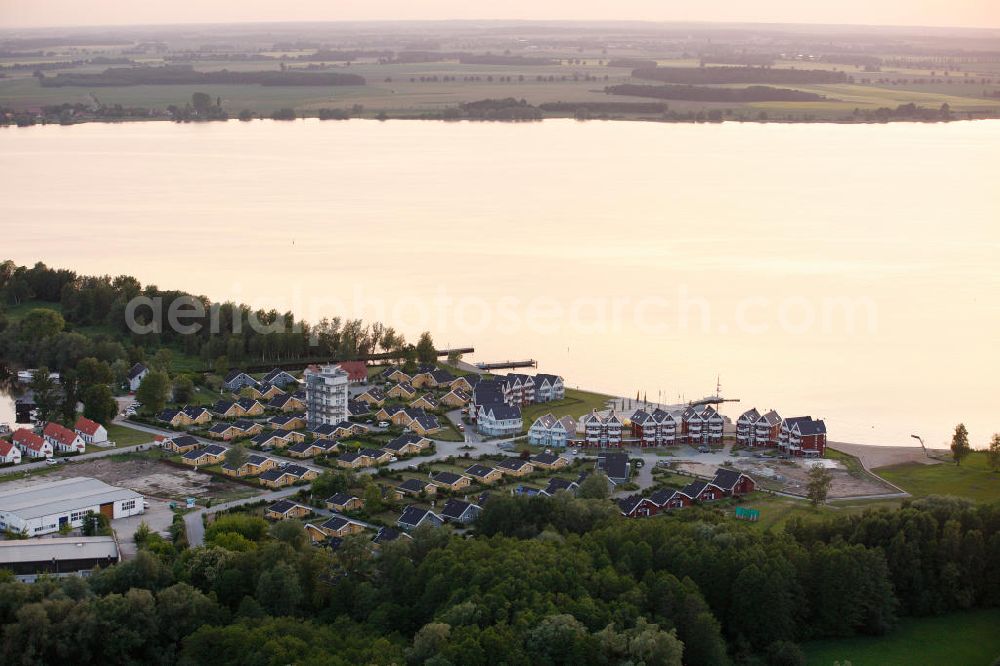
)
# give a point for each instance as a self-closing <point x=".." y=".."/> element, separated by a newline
<point x="91" y="432"/>
<point x="603" y="430"/>
<point x="30" y="444"/>
<point x="136" y="375"/>
<point x="547" y="430"/>
<point x="63" y="439"/>
<point x="499" y="420"/>
<point x="549" y="388"/>
<point x="9" y="454"/>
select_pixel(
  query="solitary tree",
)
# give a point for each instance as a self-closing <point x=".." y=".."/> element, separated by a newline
<point x="594" y="486"/>
<point x="960" y="444"/>
<point x="46" y="393"/>
<point x="236" y="456"/>
<point x="153" y="391"/>
<point x="993" y="453"/>
<point x="98" y="404"/>
<point x="425" y="348"/>
<point x="819" y="484"/>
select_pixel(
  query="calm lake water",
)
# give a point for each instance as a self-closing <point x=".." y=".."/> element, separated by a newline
<point x="847" y="272"/>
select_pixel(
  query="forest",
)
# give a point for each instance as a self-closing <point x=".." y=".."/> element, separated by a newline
<point x="541" y="581"/>
<point x="87" y="319"/>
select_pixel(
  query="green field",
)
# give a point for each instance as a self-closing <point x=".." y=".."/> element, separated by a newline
<point x="972" y="479"/>
<point x="966" y="639"/>
<point x="775" y="510"/>
<point x="575" y="404"/>
<point x="124" y="436"/>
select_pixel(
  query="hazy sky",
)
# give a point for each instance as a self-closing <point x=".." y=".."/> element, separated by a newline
<point x="970" y="13"/>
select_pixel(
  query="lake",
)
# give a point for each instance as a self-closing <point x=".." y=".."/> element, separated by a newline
<point x="847" y="272"/>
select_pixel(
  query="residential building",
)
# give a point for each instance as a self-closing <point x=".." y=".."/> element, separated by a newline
<point x="703" y="491"/>
<point x="250" y="407"/>
<point x="746" y="427"/>
<point x="656" y="428"/>
<point x="549" y="388"/>
<point x="237" y="380"/>
<point x="358" y="408"/>
<point x="135" y="376"/>
<point x="264" y="391"/>
<point x="803" y="436"/>
<point x="450" y="480"/>
<point x="228" y="409"/>
<point x="255" y="465"/>
<point x="670" y="499"/>
<point x="285" y="509"/>
<point x="408" y="444"/>
<point x="316" y="447"/>
<point x="415" y="486"/>
<point x="456" y="397"/>
<point x="63" y="439"/>
<point x="556" y="485"/>
<point x="279" y="378"/>
<point x="413" y="517"/>
<point x="603" y="431"/>
<point x="484" y="473"/>
<point x="767" y="431"/>
<point x="517" y="467"/>
<point x="549" y="461"/>
<point x="374" y="396"/>
<point x="326" y="395"/>
<point x="44" y="508"/>
<point x="733" y="482"/>
<point x="499" y="420"/>
<point x="702" y="425"/>
<point x="426" y="401"/>
<point x="395" y="374"/>
<point x="91" y="432"/>
<point x="458" y="511"/>
<point x="287" y="475"/>
<point x="401" y="391"/>
<point x="357" y="371"/>
<point x="338" y="526"/>
<point x="388" y="535"/>
<point x="637" y="506"/>
<point x="344" y="502"/>
<point x="615" y="466"/>
<point x="549" y="431"/>
<point x="287" y="422"/>
<point x="355" y="460"/>
<point x="209" y="455"/>
<point x="9" y="454"/>
<point x="181" y="443"/>
<point x="30" y="444"/>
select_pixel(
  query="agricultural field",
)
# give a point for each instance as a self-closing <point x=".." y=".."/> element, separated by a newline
<point x="960" y="638"/>
<point x="972" y="479"/>
<point x="453" y="65"/>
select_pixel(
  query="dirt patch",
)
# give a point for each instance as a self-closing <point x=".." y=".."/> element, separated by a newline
<point x="152" y="478"/>
<point x="883" y="456"/>
<point x="791" y="476"/>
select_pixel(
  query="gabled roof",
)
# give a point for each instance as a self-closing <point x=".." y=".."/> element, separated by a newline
<point x="222" y="406"/>
<point x="445" y="477"/>
<point x="185" y="440"/>
<point x="404" y="440"/>
<point x="479" y="471"/>
<point x="545" y="458"/>
<point x="265" y="437"/>
<point x="726" y="478"/>
<point x="456" y="508"/>
<point x="772" y="418"/>
<point x="413" y="515"/>
<point x="244" y="424"/>
<point x="323" y="429"/>
<point x="248" y="403"/>
<point x="86" y="426"/>
<point x="337" y="523"/>
<point x="556" y="484"/>
<point x="194" y="411"/>
<point x="167" y="415"/>
<point x="502" y="412"/>
<point x="234" y="374"/>
<point x="809" y="426"/>
<point x="6" y="447"/>
<point x="279" y="401"/>
<point x="387" y="534"/>
<point x="284" y="506"/>
<point x="210" y="450"/>
<point x="256" y="460"/>
<point x="628" y="504"/>
<point x="137" y="370"/>
<point x="375" y="392"/>
<point x="614" y="465"/>
<point x="427" y="421"/>
<point x="358" y="407"/>
<point x="356" y="370"/>
<point x="442" y="376"/>
<point x="277" y="373"/>
<point x="661" y="497"/>
<point x="28" y="439"/>
<point x="513" y="464"/>
<point x="60" y="433"/>
<point x="751" y="415"/>
<point x="413" y="485"/>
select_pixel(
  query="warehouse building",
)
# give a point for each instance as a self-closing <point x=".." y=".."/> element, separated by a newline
<point x="72" y="556"/>
<point x="46" y="507"/>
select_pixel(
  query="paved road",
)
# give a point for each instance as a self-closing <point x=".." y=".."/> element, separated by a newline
<point x="25" y="467"/>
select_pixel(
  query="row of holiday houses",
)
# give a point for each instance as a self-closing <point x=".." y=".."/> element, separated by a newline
<point x="726" y="483"/>
<point x="54" y="438"/>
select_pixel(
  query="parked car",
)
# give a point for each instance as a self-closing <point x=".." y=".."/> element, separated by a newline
<point x="51" y="461"/>
<point x="704" y="449"/>
<point x="383" y="424"/>
<point x="393" y="459"/>
<point x="461" y="428"/>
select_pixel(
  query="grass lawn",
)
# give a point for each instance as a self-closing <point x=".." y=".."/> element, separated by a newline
<point x="775" y="510"/>
<point x="575" y="404"/>
<point x="959" y="638"/>
<point x="16" y="313"/>
<point x="124" y="436"/>
<point x="972" y="479"/>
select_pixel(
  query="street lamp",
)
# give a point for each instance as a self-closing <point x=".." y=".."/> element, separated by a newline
<point x="921" y="440"/>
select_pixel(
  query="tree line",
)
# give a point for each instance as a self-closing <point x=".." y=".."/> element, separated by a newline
<point x="542" y="581"/>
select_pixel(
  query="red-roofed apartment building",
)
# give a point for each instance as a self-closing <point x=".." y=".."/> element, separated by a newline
<point x="63" y="439"/>
<point x="91" y="432"/>
<point x="31" y="444"/>
<point x="357" y="371"/>
<point x="9" y="454"/>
